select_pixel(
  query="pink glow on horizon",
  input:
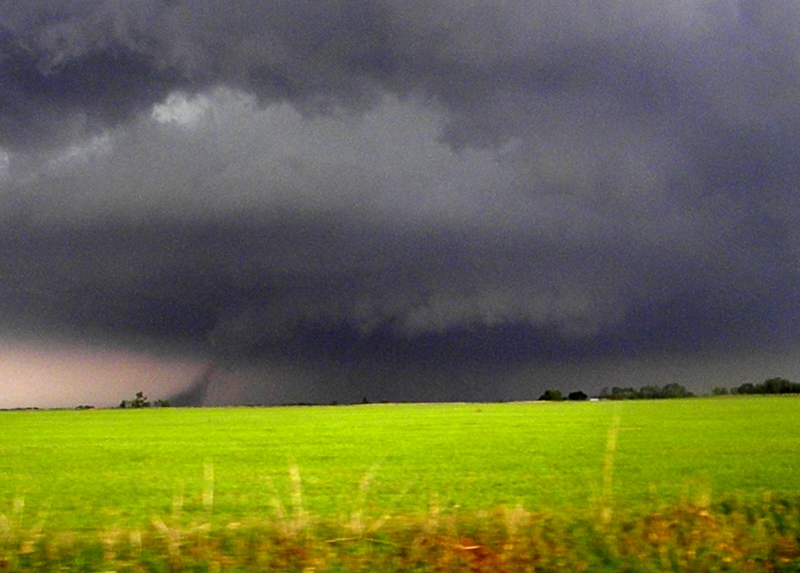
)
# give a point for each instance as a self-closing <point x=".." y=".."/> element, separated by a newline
<point x="53" y="376"/>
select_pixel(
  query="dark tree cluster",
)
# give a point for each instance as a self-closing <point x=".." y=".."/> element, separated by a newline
<point x="771" y="386"/>
<point x="669" y="391"/>
<point x="141" y="401"/>
<point x="554" y="395"/>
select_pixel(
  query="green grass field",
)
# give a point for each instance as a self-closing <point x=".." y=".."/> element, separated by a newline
<point x="123" y="470"/>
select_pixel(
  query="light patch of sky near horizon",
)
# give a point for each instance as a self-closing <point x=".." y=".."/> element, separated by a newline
<point x="65" y="376"/>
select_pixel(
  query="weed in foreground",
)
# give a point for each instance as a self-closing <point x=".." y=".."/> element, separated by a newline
<point x="729" y="535"/>
<point x="608" y="469"/>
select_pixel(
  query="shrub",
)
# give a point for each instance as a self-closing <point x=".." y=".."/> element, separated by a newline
<point x="140" y="401"/>
<point x="552" y="395"/>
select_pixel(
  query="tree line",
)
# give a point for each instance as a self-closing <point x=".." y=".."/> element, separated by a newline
<point x="666" y="392"/>
<point x="627" y="393"/>
<point x="673" y="390"/>
<point x="771" y="386"/>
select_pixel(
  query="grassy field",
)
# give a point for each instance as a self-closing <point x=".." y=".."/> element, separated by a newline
<point x="86" y="473"/>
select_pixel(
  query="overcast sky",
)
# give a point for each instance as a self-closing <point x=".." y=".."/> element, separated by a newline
<point x="393" y="199"/>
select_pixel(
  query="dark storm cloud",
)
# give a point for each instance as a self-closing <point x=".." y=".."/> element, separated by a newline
<point x="403" y="183"/>
<point x="102" y="62"/>
<point x="84" y="65"/>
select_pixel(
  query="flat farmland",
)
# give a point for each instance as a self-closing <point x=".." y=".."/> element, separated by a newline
<point x="100" y="469"/>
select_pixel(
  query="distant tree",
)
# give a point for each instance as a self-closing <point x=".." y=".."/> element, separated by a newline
<point x="719" y="391"/>
<point x="552" y="395"/>
<point x="618" y="393"/>
<point x="675" y="391"/>
<point x="649" y="393"/>
<point x="140" y="401"/>
<point x="577" y="396"/>
<point x="770" y="386"/>
<point x="780" y="386"/>
<point x="645" y="393"/>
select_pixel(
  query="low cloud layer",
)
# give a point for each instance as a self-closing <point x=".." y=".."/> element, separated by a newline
<point x="425" y="191"/>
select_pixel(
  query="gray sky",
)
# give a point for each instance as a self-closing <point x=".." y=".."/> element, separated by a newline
<point x="435" y="200"/>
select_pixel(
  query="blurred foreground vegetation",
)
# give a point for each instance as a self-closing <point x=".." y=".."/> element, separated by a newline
<point x="727" y="535"/>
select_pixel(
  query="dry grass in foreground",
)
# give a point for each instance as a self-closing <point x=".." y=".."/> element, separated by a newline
<point x="725" y="536"/>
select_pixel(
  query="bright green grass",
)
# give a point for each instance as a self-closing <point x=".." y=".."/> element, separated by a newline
<point x="121" y="468"/>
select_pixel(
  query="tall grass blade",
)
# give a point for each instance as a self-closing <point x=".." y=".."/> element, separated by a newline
<point x="300" y="518"/>
<point x="357" y="517"/>
<point x="608" y="470"/>
<point x="208" y="486"/>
